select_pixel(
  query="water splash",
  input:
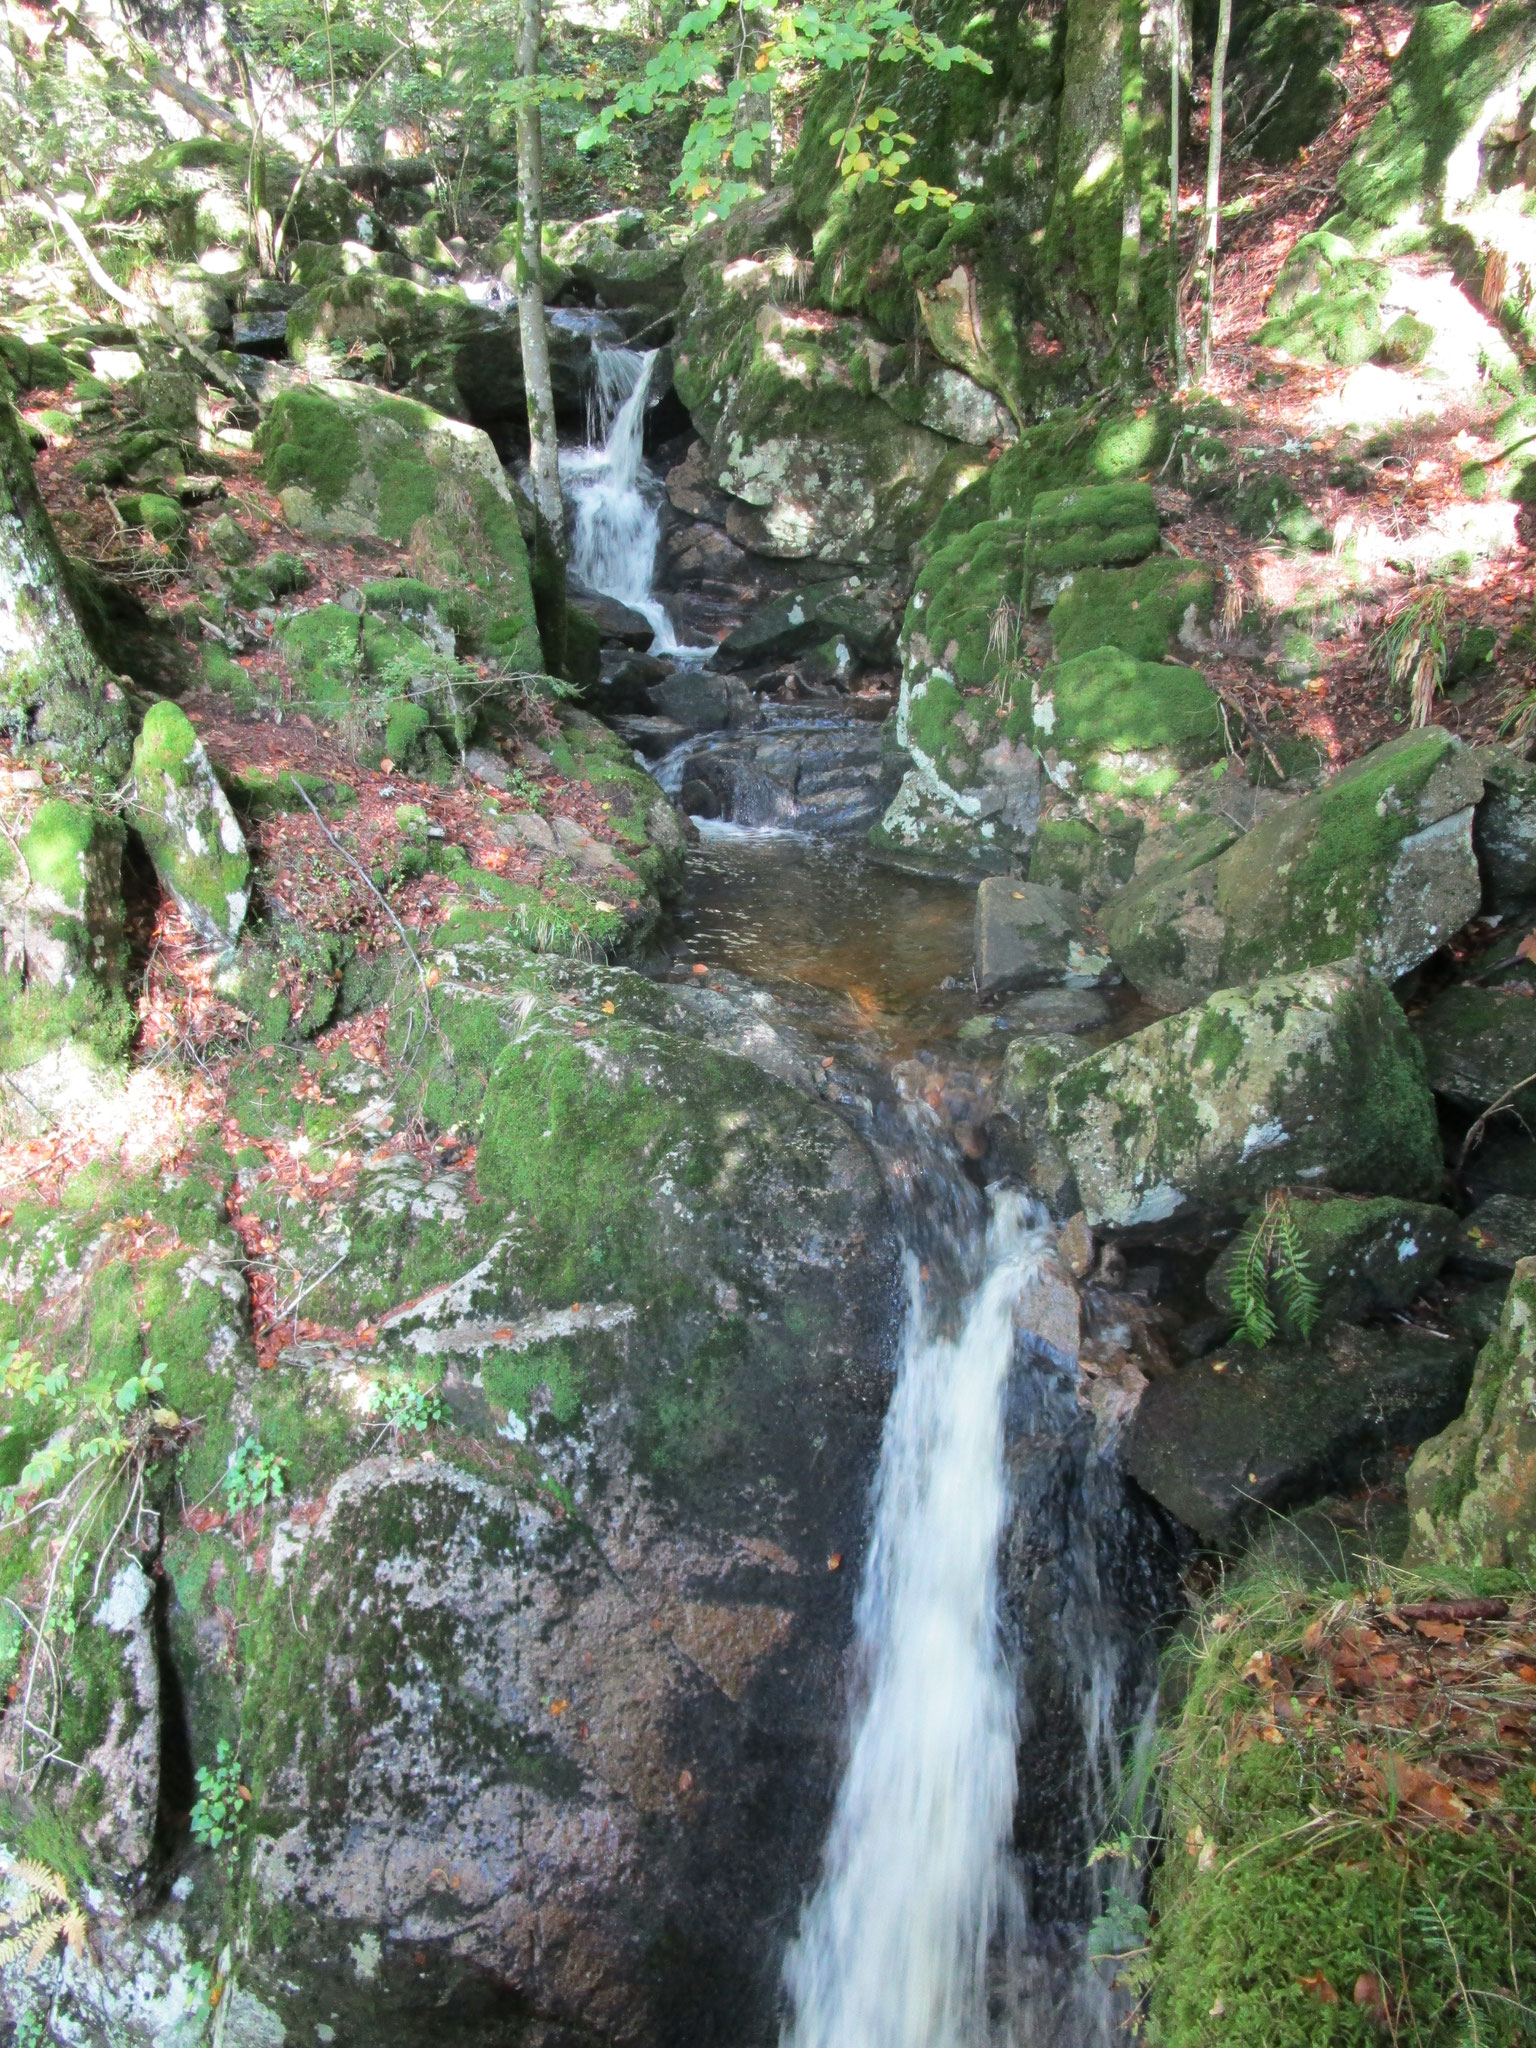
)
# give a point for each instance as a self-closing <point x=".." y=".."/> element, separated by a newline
<point x="893" y="1948"/>
<point x="612" y="495"/>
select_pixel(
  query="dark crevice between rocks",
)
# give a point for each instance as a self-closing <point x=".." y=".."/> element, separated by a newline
<point x="178" y="1779"/>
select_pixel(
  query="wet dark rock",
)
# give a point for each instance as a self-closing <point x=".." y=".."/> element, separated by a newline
<point x="652" y="737"/>
<point x="1031" y="936"/>
<point x="615" y="621"/>
<point x="1497" y="1235"/>
<point x="702" y="702"/>
<point x="1504" y="831"/>
<point x="1479" y="1043"/>
<point x="1271" y="1429"/>
<point x="828" y="773"/>
<point x="1361" y="1254"/>
<point x="1058" y="1010"/>
<point x="803" y="618"/>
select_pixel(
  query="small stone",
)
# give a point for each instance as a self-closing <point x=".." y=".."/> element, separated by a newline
<point x="1075" y="1246"/>
<point x="229" y="540"/>
<point x="1497" y="1235"/>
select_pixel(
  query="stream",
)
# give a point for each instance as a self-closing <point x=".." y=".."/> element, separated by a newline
<point x="1001" y="1684"/>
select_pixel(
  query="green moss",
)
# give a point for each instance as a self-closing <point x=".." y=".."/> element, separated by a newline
<point x="1137" y="610"/>
<point x="1080" y="527"/>
<point x="1242" y="1946"/>
<point x="1107" y="703"/>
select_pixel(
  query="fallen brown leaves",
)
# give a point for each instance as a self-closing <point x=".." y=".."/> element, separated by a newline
<point x="1424" y="1709"/>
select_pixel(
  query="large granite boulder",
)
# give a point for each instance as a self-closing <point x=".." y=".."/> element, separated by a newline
<point x="457" y="356"/>
<point x="1105" y="722"/>
<point x="1472" y="1489"/>
<point x="1309" y="1077"/>
<point x="1378" y="866"/>
<point x="348" y="461"/>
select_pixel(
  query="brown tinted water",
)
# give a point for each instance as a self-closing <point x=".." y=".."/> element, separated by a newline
<point x="868" y="944"/>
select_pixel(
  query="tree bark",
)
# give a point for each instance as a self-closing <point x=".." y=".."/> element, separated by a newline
<point x="55" y="693"/>
<point x="1213" y="185"/>
<point x="1180" y="357"/>
<point x="543" y="448"/>
<point x="1128" y="288"/>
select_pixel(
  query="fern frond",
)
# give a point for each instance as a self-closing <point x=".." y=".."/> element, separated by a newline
<point x="1248" y="1290"/>
<point x="12" y="1946"/>
<point x="37" y="1877"/>
<point x="48" y="1933"/>
<point x="74" y="1930"/>
<point x="1298" y="1289"/>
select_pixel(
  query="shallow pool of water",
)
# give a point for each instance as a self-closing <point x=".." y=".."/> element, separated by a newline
<point x="872" y="942"/>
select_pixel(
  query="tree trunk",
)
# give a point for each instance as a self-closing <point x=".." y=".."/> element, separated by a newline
<point x="1128" y="289"/>
<point x="1180" y="358"/>
<point x="54" y="692"/>
<point x="543" y="448"/>
<point x="1213" y="185"/>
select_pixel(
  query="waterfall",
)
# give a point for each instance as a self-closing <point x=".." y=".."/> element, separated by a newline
<point x="892" y="1949"/>
<point x="615" y="524"/>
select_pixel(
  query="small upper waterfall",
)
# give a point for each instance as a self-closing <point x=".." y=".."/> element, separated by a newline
<point x="615" y="522"/>
<point x="893" y="1948"/>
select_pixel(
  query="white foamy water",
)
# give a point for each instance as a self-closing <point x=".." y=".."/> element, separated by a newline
<point x="615" y="524"/>
<point x="892" y="1948"/>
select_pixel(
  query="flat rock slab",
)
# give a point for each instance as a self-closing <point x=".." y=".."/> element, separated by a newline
<point x="1030" y="935"/>
<point x="1497" y="1235"/>
<point x="1281" y="1427"/>
<point x="1057" y="1009"/>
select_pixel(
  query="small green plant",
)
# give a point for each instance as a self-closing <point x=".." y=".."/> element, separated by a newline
<point x="1271" y="1256"/>
<point x="219" y="1814"/>
<point x="1412" y="649"/>
<point x="405" y="1404"/>
<point x="254" y="1477"/>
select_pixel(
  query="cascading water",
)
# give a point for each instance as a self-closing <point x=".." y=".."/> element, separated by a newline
<point x="893" y="1948"/>
<point x="615" y="524"/>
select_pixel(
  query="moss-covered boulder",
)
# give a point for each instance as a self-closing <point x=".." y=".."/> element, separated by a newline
<point x="1326" y="304"/>
<point x="1315" y="1076"/>
<point x="348" y="461"/>
<point x="455" y="355"/>
<point x="1284" y="1426"/>
<point x="185" y="821"/>
<point x="1090" y="861"/>
<point x="1139" y="610"/>
<point x="1360" y="1254"/>
<point x="1086" y="527"/>
<point x="1286" y="75"/>
<point x="1106" y="722"/>
<point x="1472" y="1489"/>
<point x="62" y="946"/>
<point x="1378" y="865"/>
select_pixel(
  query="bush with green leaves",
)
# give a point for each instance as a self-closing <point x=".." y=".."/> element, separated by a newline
<point x="253" y="1477"/>
<point x="405" y="1404"/>
<point x="220" y="1812"/>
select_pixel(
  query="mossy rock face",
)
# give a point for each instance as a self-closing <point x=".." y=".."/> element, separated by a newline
<point x="1091" y="861"/>
<point x="974" y="788"/>
<point x="61" y="901"/>
<point x="1287" y="1425"/>
<point x="1107" y="722"/>
<point x="185" y="821"/>
<point x="350" y="462"/>
<point x="1360" y="1255"/>
<point x="160" y="516"/>
<point x="1086" y="527"/>
<point x="1377" y="865"/>
<point x="455" y="355"/>
<point x="1407" y="168"/>
<point x="1472" y="1489"/>
<point x="1137" y="610"/>
<point x="819" y="467"/>
<point x="1315" y="1076"/>
<point x="1479" y="1043"/>
<point x="1287" y="68"/>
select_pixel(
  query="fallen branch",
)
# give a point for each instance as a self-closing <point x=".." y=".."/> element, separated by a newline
<point x="1505" y="1101"/>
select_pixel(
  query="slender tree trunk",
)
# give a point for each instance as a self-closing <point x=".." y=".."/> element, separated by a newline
<point x="55" y="693"/>
<point x="1180" y="356"/>
<point x="543" y="455"/>
<point x="1213" y="185"/>
<point x="1132" y="81"/>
